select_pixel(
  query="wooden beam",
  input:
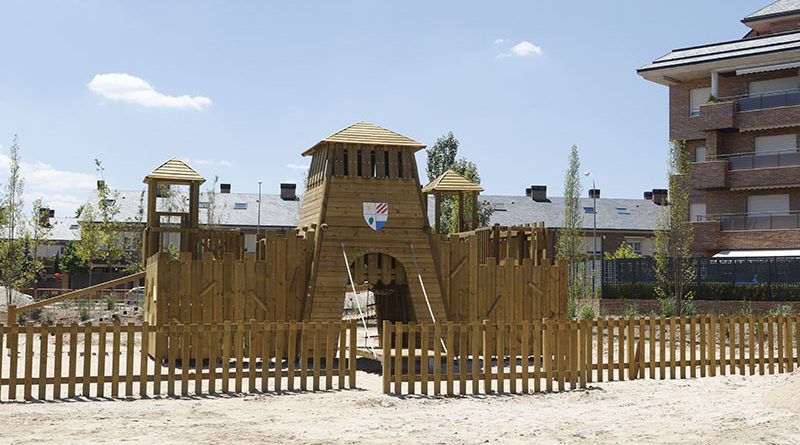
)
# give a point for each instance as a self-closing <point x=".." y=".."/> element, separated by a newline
<point x="461" y="221"/>
<point x="474" y="210"/>
<point x="438" y="212"/>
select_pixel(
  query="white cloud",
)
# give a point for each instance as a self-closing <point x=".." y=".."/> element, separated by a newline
<point x="62" y="190"/>
<point x="131" y="89"/>
<point x="522" y="49"/>
<point x="297" y="166"/>
<point x="499" y="41"/>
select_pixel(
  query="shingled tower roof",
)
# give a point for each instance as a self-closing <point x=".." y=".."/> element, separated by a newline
<point x="365" y="133"/>
<point x="175" y="171"/>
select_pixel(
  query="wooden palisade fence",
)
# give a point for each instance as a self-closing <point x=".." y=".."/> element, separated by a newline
<point x="545" y="356"/>
<point x="52" y="362"/>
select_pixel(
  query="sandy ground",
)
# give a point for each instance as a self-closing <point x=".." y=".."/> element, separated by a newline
<point x="728" y="409"/>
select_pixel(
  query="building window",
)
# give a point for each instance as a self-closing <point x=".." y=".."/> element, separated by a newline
<point x="589" y="210"/>
<point x="203" y="205"/>
<point x="697" y="211"/>
<point x="700" y="154"/>
<point x="697" y="97"/>
<point x="636" y="246"/>
<point x="623" y="211"/>
<point x="240" y="206"/>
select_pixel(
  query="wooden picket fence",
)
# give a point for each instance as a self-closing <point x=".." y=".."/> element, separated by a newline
<point x="110" y="360"/>
<point x="546" y="356"/>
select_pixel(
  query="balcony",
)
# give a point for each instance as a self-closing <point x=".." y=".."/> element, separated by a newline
<point x="709" y="175"/>
<point x="775" y="99"/>
<point x="764" y="170"/>
<point x="760" y="221"/>
<point x="717" y="116"/>
<point x="783" y="158"/>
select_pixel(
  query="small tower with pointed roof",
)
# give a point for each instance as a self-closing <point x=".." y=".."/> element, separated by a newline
<point x="363" y="199"/>
<point x="451" y="183"/>
<point x="172" y="172"/>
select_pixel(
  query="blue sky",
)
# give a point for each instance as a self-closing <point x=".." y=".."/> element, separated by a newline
<point x="240" y="89"/>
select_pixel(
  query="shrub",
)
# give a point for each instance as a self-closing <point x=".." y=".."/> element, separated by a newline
<point x="669" y="307"/>
<point x="83" y="310"/>
<point x="586" y="313"/>
<point x="110" y="301"/>
<point x="783" y="310"/>
<point x="631" y="311"/>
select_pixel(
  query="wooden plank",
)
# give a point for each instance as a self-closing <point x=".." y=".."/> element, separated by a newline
<point x="572" y="359"/>
<point x="703" y="348"/>
<point x="172" y="357"/>
<point x="652" y="346"/>
<point x="732" y="344"/>
<point x="13" y="346"/>
<point x="537" y="355"/>
<point x="560" y="345"/>
<point x="437" y="359"/>
<point x="741" y="322"/>
<point x="318" y="333"/>
<point x="601" y="336"/>
<point x="351" y="360"/>
<point x="693" y="345"/>
<point x="501" y="357"/>
<point x="330" y="342"/>
<point x="450" y="346"/>
<point x="682" y="346"/>
<point x="548" y="341"/>
<point x="398" y="358"/>
<point x="130" y="348"/>
<point x="272" y="343"/>
<point x="186" y="336"/>
<point x="412" y="356"/>
<point x="761" y="351"/>
<point x="57" y="364"/>
<point x="424" y="349"/>
<point x="723" y="359"/>
<point x="291" y="356"/>
<point x="226" y="356"/>
<point x="87" y="360"/>
<point x="662" y="348"/>
<point x="525" y="345"/>
<point x="116" y="351"/>
<point x="198" y="349"/>
<point x="386" y="356"/>
<point x="304" y="336"/>
<point x="213" y="344"/>
<point x="712" y="346"/>
<point x="101" y="360"/>
<point x="44" y="339"/>
<point x="239" y="351"/>
<point x="28" y="360"/>
<point x="475" y="341"/>
<point x="143" y="363"/>
<point x="787" y="343"/>
<point x="462" y="337"/>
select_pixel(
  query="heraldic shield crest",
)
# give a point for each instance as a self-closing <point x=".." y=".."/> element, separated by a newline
<point x="376" y="214"/>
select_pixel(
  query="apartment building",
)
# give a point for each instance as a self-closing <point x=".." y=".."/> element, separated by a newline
<point x="737" y="106"/>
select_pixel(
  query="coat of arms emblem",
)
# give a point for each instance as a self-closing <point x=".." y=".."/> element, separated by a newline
<point x="376" y="214"/>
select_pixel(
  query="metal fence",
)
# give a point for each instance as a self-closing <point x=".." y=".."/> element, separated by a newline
<point x="752" y="278"/>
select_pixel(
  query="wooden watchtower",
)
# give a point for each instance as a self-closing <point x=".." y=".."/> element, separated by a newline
<point x="363" y="198"/>
<point x="451" y="183"/>
<point x="172" y="172"/>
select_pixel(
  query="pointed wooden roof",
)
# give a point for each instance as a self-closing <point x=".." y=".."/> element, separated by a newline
<point x="368" y="134"/>
<point x="175" y="170"/>
<point x="451" y="182"/>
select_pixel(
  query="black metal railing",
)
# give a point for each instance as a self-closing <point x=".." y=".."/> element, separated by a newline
<point x="760" y="221"/>
<point x="774" y="99"/>
<point x="768" y="278"/>
<point x="783" y="158"/>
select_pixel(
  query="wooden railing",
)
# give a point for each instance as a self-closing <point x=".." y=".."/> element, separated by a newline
<point x="52" y="362"/>
<point x="545" y="356"/>
<point x="14" y="311"/>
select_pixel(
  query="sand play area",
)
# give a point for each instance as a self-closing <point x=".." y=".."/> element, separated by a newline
<point x="726" y="409"/>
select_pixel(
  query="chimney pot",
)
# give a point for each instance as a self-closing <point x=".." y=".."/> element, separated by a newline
<point x="288" y="191"/>
<point x="539" y="193"/>
<point x="528" y="192"/>
<point x="648" y="195"/>
<point x="224" y="188"/>
<point x="660" y="196"/>
<point x="594" y="193"/>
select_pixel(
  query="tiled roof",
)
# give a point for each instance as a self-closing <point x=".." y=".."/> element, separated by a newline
<point x="175" y="170"/>
<point x="780" y="7"/>
<point x="450" y="182"/>
<point x="368" y="134"/>
<point x="64" y="229"/>
<point x="726" y="50"/>
<point x="612" y="213"/>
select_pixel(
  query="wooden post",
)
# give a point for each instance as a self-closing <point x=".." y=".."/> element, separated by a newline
<point x="437" y="220"/>
<point x="461" y="221"/>
<point x="474" y="210"/>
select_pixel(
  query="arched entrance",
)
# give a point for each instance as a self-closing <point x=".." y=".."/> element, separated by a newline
<point x="382" y="292"/>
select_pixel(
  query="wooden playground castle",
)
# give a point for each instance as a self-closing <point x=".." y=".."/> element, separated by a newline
<point x="495" y="273"/>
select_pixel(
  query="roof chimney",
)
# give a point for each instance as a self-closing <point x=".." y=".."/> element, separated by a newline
<point x="44" y="216"/>
<point x="539" y="193"/>
<point x="648" y="195"/>
<point x="288" y="191"/>
<point x="528" y="192"/>
<point x="594" y="193"/>
<point x="660" y="196"/>
<point x="224" y="188"/>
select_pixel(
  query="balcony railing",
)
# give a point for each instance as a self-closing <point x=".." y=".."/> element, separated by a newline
<point x="774" y="99"/>
<point x="781" y="158"/>
<point x="761" y="221"/>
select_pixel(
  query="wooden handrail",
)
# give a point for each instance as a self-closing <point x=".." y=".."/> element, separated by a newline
<point x="13" y="311"/>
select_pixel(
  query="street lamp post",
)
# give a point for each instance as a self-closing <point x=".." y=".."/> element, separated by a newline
<point x="258" y="224"/>
<point x="594" y="231"/>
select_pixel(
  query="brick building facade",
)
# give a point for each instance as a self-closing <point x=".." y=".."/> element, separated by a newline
<point x="737" y="106"/>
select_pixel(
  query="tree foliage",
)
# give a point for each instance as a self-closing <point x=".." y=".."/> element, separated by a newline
<point x="443" y="156"/>
<point x="568" y="246"/>
<point x="20" y="238"/>
<point x="674" y="236"/>
<point x="624" y="251"/>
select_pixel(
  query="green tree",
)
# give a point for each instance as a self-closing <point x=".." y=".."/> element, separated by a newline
<point x="132" y="241"/>
<point x="624" y="251"/>
<point x="101" y="234"/>
<point x="570" y="240"/>
<point x="213" y="214"/>
<point x="19" y="239"/>
<point x="674" y="267"/>
<point x="443" y="156"/>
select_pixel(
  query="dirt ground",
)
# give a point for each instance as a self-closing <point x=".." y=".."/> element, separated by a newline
<point x="728" y="409"/>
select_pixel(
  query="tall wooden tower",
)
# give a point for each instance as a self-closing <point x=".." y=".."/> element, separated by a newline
<point x="363" y="197"/>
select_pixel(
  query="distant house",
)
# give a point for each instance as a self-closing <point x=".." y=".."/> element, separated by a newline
<point x="618" y="220"/>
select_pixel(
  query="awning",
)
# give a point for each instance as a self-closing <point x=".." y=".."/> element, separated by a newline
<point x="763" y="69"/>
<point x="758" y="253"/>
